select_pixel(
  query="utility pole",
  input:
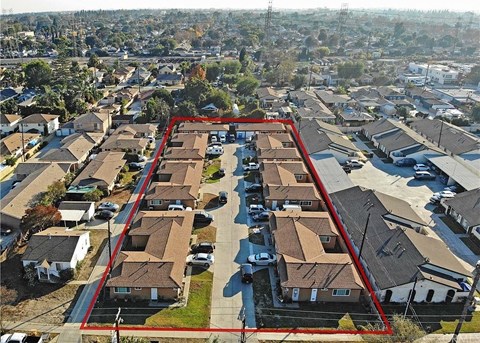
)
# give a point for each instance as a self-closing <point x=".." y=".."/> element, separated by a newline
<point x="440" y="134"/>
<point x="268" y="21"/>
<point x="241" y="316"/>
<point x="118" y="320"/>
<point x="426" y="76"/>
<point x="23" y="144"/>
<point x="342" y="19"/>
<point x="410" y="297"/>
<point x="109" y="249"/>
<point x="468" y="302"/>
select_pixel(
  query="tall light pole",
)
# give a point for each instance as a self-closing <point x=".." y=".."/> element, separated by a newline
<point x="468" y="302"/>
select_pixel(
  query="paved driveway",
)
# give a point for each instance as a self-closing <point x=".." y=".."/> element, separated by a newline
<point x="229" y="294"/>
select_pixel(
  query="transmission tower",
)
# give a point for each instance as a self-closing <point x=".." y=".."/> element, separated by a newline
<point x="342" y="19"/>
<point x="268" y="21"/>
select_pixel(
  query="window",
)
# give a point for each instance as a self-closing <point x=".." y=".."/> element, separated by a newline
<point x="341" y="292"/>
<point x="125" y="290"/>
<point x="156" y="202"/>
<point x="325" y="239"/>
<point x="298" y="176"/>
<point x="138" y="288"/>
<point x="305" y="203"/>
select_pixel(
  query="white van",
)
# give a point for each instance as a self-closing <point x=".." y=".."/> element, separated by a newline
<point x="216" y="150"/>
<point x="291" y="208"/>
<point x="174" y="207"/>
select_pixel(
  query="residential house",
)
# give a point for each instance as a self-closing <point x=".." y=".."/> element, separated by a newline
<point x="124" y="73"/>
<point x="311" y="265"/>
<point x="44" y="124"/>
<point x="77" y="211"/>
<point x="14" y="204"/>
<point x="102" y="172"/>
<point x="273" y="141"/>
<point x="267" y="96"/>
<point x="203" y="127"/>
<point x="278" y="154"/>
<point x="154" y="270"/>
<point x="322" y="139"/>
<point x="169" y="79"/>
<point x="333" y="101"/>
<point x="55" y="249"/>
<point x="137" y="130"/>
<point x="464" y="208"/>
<point x="303" y="194"/>
<point x="167" y="69"/>
<point x="284" y="173"/>
<point x="92" y="122"/>
<point x="141" y="76"/>
<point x="395" y="255"/>
<point x="9" y="123"/>
<point x="184" y="146"/>
<point x="246" y="130"/>
<point x="351" y="117"/>
<point x="125" y="143"/>
<point x="13" y="146"/>
<point x="24" y="169"/>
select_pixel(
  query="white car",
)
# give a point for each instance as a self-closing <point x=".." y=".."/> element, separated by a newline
<point x="175" y="207"/>
<point x="355" y="164"/>
<point x="262" y="259"/>
<point x="223" y="138"/>
<point x="421" y="167"/>
<point x="108" y="206"/>
<point x="200" y="259"/>
<point x="444" y="194"/>
<point x="251" y="166"/>
<point x="256" y="208"/>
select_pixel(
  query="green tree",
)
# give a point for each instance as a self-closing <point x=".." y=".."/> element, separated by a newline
<point x="55" y="192"/>
<point x="50" y="98"/>
<point x="186" y="109"/>
<point x="213" y="71"/>
<point x="232" y="66"/>
<point x="94" y="195"/>
<point x="37" y="73"/>
<point x="257" y="114"/>
<point x="311" y="42"/>
<point x="12" y="77"/>
<point x="242" y="54"/>
<point x="298" y="81"/>
<point x="322" y="51"/>
<point x="220" y="99"/>
<point x="165" y="95"/>
<point x="247" y="85"/>
<point x="197" y="90"/>
<point x="474" y="75"/>
<point x="156" y="109"/>
<point x="322" y="36"/>
<point x="93" y="61"/>
<point x="198" y="72"/>
<point x="350" y="70"/>
<point x="9" y="106"/>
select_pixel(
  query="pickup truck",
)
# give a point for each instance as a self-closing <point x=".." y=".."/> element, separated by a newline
<point x="18" y="337"/>
<point x="251" y="166"/>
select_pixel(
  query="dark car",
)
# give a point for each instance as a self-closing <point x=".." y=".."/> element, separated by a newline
<point x="347" y="169"/>
<point x="204" y="247"/>
<point x="222" y="197"/>
<point x="135" y="166"/>
<point x="246" y="270"/>
<point x="104" y="214"/>
<point x="405" y="162"/>
<point x="256" y="187"/>
<point x="221" y="172"/>
<point x="5" y="231"/>
<point x="202" y="218"/>
<point x="231" y="138"/>
<point x="262" y="216"/>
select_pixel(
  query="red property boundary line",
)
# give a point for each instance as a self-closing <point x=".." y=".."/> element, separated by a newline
<point x="333" y="213"/>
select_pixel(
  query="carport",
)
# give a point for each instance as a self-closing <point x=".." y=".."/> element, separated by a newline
<point x="73" y="216"/>
<point x="456" y="172"/>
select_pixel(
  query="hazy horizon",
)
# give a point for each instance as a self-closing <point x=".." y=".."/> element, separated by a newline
<point x="29" y="6"/>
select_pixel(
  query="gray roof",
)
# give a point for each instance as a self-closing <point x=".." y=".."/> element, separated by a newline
<point x="318" y="136"/>
<point x="75" y="205"/>
<point x="453" y="138"/>
<point x="393" y="254"/>
<point x="52" y="245"/>
<point x="331" y="175"/>
<point x="399" y="208"/>
<point x="379" y="126"/>
<point x="467" y="204"/>
<point x="396" y="140"/>
<point x="467" y="177"/>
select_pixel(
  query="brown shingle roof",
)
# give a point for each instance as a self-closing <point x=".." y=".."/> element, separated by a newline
<point x="176" y="172"/>
<point x="39" y="118"/>
<point x="272" y="141"/>
<point x="281" y="173"/>
<point x="279" y="154"/>
<point x="261" y="127"/>
<point x="201" y="127"/>
<point x="102" y="171"/>
<point x="299" y="191"/>
<point x="167" y="191"/>
<point x="13" y="142"/>
<point x="9" y="118"/>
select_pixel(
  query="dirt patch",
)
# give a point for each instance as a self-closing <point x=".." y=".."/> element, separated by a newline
<point x="209" y="201"/>
<point x="98" y="240"/>
<point x="107" y="339"/>
<point x="45" y="302"/>
<point x="206" y="234"/>
<point x="119" y="196"/>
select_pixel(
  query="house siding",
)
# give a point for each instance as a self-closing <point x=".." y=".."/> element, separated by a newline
<point x="322" y="296"/>
<point x="400" y="293"/>
<point x="145" y="293"/>
<point x="316" y="204"/>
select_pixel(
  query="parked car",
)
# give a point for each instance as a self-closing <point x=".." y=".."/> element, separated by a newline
<point x="15" y="184"/>
<point x="134" y="166"/>
<point x="255" y="187"/>
<point x="444" y="194"/>
<point x="256" y="208"/>
<point x="262" y="259"/>
<point x="222" y="197"/>
<point x="223" y="138"/>
<point x="213" y="139"/>
<point x="261" y="217"/>
<point x="347" y="169"/>
<point x="405" y="162"/>
<point x="421" y="167"/>
<point x="108" y="206"/>
<point x="104" y="214"/>
<point x="200" y="259"/>
<point x="215" y="144"/>
<point x="202" y="218"/>
<point x="5" y="231"/>
<point x="355" y="164"/>
<point x="141" y="158"/>
<point x="204" y="247"/>
<point x="246" y="271"/>
<point x="452" y="188"/>
<point x="221" y="172"/>
<point x="214" y="150"/>
<point x="18" y="337"/>
<point x="178" y="207"/>
<point x="248" y="139"/>
<point x="423" y="175"/>
<point x="251" y="166"/>
<point x="231" y="138"/>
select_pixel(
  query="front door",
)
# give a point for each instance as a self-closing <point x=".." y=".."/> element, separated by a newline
<point x="274" y="204"/>
<point x="313" y="295"/>
<point x="295" y="293"/>
<point x="153" y="294"/>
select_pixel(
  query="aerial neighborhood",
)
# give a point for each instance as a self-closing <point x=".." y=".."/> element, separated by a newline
<point x="194" y="170"/>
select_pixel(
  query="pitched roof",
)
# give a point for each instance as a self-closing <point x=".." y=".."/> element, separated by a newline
<point x="282" y="173"/>
<point x="399" y="208"/>
<point x="267" y="92"/>
<point x="190" y="140"/>
<point x="102" y="171"/>
<point x="20" y="198"/>
<point x="379" y="126"/>
<point x="299" y="191"/>
<point x="453" y="138"/>
<point x="53" y="245"/>
<point x="201" y="127"/>
<point x="89" y="117"/>
<point x="162" y="262"/>
<point x="390" y="253"/>
<point x="123" y="142"/>
<point x="29" y="167"/>
<point x="167" y="191"/>
<point x="135" y="129"/>
<point x="9" y="118"/>
<point x="275" y="140"/>
<point x="396" y="140"/>
<point x="329" y="98"/>
<point x="318" y="136"/>
<point x="261" y="127"/>
<point x="278" y="154"/>
<point x="467" y="204"/>
<point x="13" y="142"/>
<point x="39" y="118"/>
<point x="74" y="148"/>
<point x="178" y="172"/>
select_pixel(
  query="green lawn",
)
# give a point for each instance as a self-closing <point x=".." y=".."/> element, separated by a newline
<point x="206" y="234"/>
<point x="210" y="173"/>
<point x="197" y="312"/>
<point x="471" y="325"/>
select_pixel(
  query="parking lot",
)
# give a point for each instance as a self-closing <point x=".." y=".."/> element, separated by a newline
<point x="399" y="182"/>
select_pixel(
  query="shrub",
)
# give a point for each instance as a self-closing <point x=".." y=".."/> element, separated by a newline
<point x="67" y="274"/>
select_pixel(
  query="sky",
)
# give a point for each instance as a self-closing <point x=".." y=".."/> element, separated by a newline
<point x="22" y="6"/>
